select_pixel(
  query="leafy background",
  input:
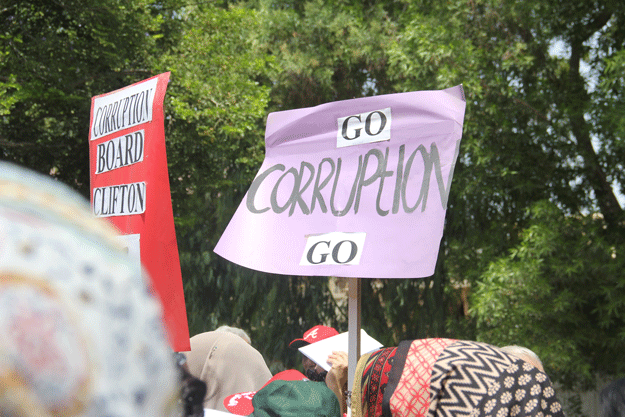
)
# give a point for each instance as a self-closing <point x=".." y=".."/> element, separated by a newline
<point x="533" y="246"/>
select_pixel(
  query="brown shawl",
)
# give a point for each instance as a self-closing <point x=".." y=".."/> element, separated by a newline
<point x="227" y="364"/>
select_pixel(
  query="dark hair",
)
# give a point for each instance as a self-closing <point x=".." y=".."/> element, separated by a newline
<point x="612" y="399"/>
<point x="314" y="375"/>
<point x="192" y="390"/>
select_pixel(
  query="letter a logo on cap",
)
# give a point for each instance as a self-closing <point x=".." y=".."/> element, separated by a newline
<point x="313" y="335"/>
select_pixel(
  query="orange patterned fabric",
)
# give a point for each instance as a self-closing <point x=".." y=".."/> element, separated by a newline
<point x="411" y="398"/>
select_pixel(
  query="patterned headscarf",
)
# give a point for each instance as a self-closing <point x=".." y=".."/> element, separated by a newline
<point x="446" y="377"/>
<point x="80" y="332"/>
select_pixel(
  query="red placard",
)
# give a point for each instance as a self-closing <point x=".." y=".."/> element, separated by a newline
<point x="130" y="187"/>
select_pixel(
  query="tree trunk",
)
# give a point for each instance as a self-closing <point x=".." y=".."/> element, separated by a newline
<point x="577" y="98"/>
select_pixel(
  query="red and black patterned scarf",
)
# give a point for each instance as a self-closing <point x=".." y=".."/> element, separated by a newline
<point x="375" y="379"/>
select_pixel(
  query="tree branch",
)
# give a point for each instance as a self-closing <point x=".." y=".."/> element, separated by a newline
<point x="8" y="144"/>
<point x="576" y="99"/>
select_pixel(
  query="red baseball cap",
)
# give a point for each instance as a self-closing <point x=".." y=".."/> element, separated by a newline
<point x="313" y="335"/>
<point x="241" y="403"/>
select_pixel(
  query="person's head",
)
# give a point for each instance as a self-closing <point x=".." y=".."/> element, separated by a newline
<point x="315" y="334"/>
<point x="612" y="399"/>
<point x="192" y="393"/>
<point x="241" y="403"/>
<point x="525" y="354"/>
<point x="235" y="330"/>
<point x="80" y="331"/>
<point x="313" y="371"/>
<point x="294" y="399"/>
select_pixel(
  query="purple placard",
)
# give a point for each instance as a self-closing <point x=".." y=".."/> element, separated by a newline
<point x="355" y="188"/>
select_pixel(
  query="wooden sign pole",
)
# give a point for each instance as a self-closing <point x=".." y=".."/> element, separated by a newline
<point x="353" y="328"/>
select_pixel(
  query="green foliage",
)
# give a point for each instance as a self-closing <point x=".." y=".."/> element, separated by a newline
<point x="544" y="122"/>
<point x="565" y="280"/>
<point x="328" y="51"/>
<point x="531" y="117"/>
<point x="216" y="105"/>
<point x="54" y="57"/>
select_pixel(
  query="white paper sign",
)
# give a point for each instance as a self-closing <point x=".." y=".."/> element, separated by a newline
<point x="319" y="351"/>
<point x="216" y="413"/>
<point x="132" y="245"/>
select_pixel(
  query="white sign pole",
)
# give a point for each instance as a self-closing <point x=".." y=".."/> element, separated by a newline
<point x="353" y="328"/>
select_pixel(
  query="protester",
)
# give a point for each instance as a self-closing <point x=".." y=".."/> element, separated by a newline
<point x="315" y="334"/>
<point x="80" y="332"/>
<point x="288" y="394"/>
<point x="446" y="377"/>
<point x="241" y="403"/>
<point x="227" y="364"/>
<point x="336" y="378"/>
<point x="235" y="330"/>
<point x="612" y="399"/>
<point x="526" y="354"/>
<point x="296" y="399"/>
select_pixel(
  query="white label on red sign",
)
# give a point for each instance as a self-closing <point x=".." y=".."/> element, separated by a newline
<point x="123" y="109"/>
<point x="119" y="200"/>
<point x="120" y="152"/>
